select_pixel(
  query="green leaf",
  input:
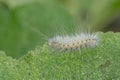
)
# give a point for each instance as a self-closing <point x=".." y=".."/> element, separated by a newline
<point x="100" y="63"/>
<point x="26" y="26"/>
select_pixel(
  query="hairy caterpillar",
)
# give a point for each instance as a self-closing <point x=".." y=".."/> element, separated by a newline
<point x="75" y="42"/>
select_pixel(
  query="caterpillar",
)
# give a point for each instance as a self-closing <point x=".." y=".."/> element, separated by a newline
<point x="75" y="42"/>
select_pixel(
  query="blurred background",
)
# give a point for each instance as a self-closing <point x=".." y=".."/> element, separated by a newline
<point x="24" y="24"/>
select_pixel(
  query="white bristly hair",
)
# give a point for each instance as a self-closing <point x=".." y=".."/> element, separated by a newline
<point x="74" y="42"/>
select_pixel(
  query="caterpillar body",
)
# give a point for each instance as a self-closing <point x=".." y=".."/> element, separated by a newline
<point x="75" y="42"/>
